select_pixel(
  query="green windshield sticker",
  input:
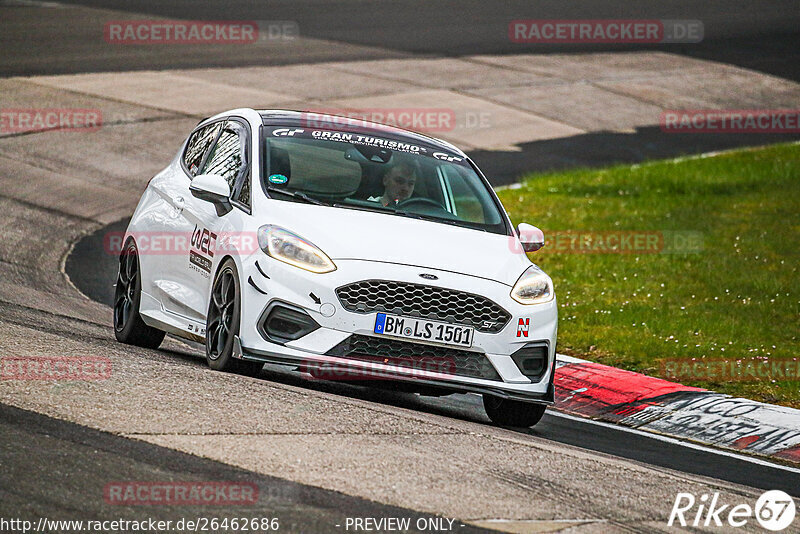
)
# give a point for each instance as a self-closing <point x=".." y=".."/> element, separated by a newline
<point x="278" y="179"/>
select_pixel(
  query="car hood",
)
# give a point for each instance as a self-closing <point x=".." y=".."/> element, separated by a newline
<point x="362" y="235"/>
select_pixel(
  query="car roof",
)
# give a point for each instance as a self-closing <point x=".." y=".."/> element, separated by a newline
<point x="293" y="118"/>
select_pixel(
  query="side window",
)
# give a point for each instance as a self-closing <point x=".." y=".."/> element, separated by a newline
<point x="228" y="159"/>
<point x="198" y="145"/>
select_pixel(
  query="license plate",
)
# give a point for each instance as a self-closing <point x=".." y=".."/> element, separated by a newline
<point x="424" y="330"/>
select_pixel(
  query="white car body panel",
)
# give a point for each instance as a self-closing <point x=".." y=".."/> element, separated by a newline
<point x="363" y="245"/>
<point x="351" y="234"/>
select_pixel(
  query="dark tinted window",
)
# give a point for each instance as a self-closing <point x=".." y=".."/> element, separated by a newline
<point x="198" y="145"/>
<point x="227" y="159"/>
<point x="391" y="176"/>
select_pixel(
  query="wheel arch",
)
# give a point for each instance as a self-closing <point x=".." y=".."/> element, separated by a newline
<point x="220" y="263"/>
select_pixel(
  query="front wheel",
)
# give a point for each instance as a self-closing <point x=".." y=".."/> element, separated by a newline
<point x="507" y="412"/>
<point x="222" y="323"/>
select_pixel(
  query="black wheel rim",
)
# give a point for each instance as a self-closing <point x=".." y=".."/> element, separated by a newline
<point x="125" y="292"/>
<point x="220" y="314"/>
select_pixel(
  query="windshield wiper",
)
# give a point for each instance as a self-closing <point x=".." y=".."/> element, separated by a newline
<point x="434" y="218"/>
<point x="400" y="213"/>
<point x="296" y="194"/>
<point x="391" y="211"/>
<point x="410" y="214"/>
<point x="380" y="208"/>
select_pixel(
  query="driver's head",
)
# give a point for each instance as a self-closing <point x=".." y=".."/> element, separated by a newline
<point x="399" y="183"/>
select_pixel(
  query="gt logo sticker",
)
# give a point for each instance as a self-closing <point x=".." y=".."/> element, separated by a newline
<point x="286" y="132"/>
<point x="445" y="157"/>
<point x="523" y="326"/>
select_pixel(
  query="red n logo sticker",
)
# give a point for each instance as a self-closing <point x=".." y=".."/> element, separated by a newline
<point x="523" y="326"/>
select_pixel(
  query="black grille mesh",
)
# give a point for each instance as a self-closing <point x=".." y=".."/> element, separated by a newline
<point x="428" y="302"/>
<point x="416" y="356"/>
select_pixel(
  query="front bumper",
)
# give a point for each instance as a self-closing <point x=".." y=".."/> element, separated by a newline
<point x="269" y="282"/>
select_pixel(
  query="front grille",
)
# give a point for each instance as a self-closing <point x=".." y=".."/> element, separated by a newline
<point x="416" y="356"/>
<point x="427" y="302"/>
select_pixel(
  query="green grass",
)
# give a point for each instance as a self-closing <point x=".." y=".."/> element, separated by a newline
<point x="738" y="297"/>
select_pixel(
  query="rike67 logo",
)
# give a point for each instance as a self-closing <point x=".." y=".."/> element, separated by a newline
<point x="774" y="510"/>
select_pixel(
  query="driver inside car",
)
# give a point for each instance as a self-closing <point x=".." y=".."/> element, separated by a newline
<point x="398" y="185"/>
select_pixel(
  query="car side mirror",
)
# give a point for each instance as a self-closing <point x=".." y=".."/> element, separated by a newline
<point x="212" y="188"/>
<point x="532" y="238"/>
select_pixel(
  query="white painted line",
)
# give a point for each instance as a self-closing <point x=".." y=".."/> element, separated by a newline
<point x="703" y="155"/>
<point x="675" y="441"/>
<point x="570" y="359"/>
<point x="31" y="3"/>
<point x="710" y="154"/>
<point x="515" y="185"/>
<point x="539" y="520"/>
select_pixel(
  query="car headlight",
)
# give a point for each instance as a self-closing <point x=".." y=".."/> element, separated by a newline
<point x="290" y="248"/>
<point x="533" y="287"/>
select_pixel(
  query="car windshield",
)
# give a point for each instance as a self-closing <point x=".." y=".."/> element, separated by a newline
<point x="360" y="171"/>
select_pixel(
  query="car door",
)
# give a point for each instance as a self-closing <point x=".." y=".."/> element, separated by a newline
<point x="166" y="234"/>
<point x="228" y="157"/>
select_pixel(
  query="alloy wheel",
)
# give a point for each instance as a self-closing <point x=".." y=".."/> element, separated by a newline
<point x="125" y="292"/>
<point x="221" y="314"/>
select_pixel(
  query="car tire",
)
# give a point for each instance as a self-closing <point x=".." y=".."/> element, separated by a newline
<point x="222" y="323"/>
<point x="128" y="324"/>
<point x="507" y="412"/>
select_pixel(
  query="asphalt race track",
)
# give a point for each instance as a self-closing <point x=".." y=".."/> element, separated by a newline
<point x="88" y="260"/>
<point x="320" y="452"/>
<point x="749" y="35"/>
<point x="30" y="487"/>
<point x="756" y="35"/>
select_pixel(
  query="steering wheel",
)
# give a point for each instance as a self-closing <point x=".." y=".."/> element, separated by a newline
<point x="422" y="201"/>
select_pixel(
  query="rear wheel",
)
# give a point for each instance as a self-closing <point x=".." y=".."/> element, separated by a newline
<point x="128" y="324"/>
<point x="507" y="412"/>
<point x="222" y="323"/>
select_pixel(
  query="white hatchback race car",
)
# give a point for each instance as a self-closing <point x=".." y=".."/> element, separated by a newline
<point x="350" y="250"/>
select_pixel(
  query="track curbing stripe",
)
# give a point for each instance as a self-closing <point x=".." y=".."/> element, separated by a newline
<point x="655" y="405"/>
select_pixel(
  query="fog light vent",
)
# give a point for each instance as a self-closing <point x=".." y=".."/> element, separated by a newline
<point x="532" y="360"/>
<point x="281" y="323"/>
